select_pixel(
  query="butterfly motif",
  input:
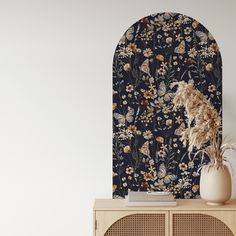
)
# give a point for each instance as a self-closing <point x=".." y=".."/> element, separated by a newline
<point x="129" y="33"/>
<point x="186" y="20"/>
<point x="162" y="174"/>
<point x="114" y="92"/>
<point x="180" y="49"/>
<point x="203" y="36"/>
<point x="180" y="130"/>
<point x="145" y="149"/>
<point x="145" y="67"/>
<point x="167" y="15"/>
<point x="162" y="92"/>
<point x="129" y="117"/>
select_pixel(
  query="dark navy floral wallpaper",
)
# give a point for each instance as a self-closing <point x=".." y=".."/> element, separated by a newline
<point x="154" y="52"/>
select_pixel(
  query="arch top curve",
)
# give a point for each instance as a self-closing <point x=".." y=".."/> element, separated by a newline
<point x="166" y="22"/>
<point x="154" y="52"/>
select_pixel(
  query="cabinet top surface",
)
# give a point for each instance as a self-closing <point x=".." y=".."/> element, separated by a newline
<point x="182" y="205"/>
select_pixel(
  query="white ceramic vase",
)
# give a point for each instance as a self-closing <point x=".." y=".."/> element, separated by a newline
<point x="215" y="184"/>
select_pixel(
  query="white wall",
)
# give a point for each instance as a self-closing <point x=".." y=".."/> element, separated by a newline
<point x="55" y="104"/>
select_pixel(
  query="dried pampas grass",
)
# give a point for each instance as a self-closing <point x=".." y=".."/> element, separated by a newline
<point x="204" y="123"/>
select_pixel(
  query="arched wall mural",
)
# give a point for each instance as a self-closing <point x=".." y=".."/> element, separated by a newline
<point x="154" y="52"/>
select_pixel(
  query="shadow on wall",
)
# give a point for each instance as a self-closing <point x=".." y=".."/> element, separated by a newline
<point x="230" y="133"/>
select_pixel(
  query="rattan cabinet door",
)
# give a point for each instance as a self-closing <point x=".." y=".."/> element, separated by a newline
<point x="131" y="223"/>
<point x="204" y="223"/>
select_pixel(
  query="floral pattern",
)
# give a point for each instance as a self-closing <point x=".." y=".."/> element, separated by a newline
<point x="153" y="53"/>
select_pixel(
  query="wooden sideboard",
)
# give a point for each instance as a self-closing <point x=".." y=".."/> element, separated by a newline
<point x="189" y="218"/>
